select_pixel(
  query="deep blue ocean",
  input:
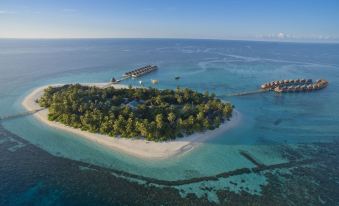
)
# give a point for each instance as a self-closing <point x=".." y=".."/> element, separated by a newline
<point x="294" y="137"/>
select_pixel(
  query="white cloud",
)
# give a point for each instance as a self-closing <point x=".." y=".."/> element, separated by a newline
<point x="292" y="37"/>
<point x="281" y="35"/>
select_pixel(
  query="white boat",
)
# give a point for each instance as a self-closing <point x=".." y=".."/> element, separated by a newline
<point x="155" y="81"/>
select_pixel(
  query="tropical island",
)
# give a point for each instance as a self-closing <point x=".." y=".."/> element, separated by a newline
<point x="146" y="123"/>
<point x="149" y="113"/>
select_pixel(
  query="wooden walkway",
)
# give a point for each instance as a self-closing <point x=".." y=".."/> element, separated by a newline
<point x="247" y="93"/>
<point x="116" y="82"/>
<point x="22" y="114"/>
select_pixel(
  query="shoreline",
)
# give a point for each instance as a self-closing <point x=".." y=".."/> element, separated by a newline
<point x="136" y="147"/>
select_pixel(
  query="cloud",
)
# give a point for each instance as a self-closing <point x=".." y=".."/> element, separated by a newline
<point x="281" y="35"/>
<point x="293" y="37"/>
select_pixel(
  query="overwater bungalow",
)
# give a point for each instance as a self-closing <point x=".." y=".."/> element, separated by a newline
<point x="284" y="89"/>
<point x="297" y="88"/>
<point x="141" y="71"/>
<point x="298" y="85"/>
<point x="266" y="86"/>
<point x="277" y="89"/>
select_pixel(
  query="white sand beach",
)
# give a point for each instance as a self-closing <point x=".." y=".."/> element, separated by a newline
<point x="136" y="147"/>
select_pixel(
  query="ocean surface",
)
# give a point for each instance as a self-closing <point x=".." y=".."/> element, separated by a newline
<point x="293" y="138"/>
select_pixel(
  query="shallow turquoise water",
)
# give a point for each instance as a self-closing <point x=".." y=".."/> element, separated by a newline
<point x="222" y="67"/>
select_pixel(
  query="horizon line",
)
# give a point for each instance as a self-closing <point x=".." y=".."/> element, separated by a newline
<point x="179" y="38"/>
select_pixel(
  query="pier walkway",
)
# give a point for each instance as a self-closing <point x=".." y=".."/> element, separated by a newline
<point x="244" y="93"/>
<point x="135" y="73"/>
<point x="21" y="114"/>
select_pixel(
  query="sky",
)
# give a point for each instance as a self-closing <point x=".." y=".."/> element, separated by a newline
<point x="282" y="20"/>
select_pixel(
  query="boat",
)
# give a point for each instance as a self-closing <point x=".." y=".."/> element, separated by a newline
<point x="114" y="81"/>
<point x="155" y="81"/>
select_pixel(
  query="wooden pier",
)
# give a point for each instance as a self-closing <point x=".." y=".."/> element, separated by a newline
<point x="22" y="114"/>
<point x="135" y="73"/>
<point x="247" y="93"/>
<point x="141" y="71"/>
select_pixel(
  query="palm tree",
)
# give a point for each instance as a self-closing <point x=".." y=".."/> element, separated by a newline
<point x="171" y="117"/>
<point x="159" y="121"/>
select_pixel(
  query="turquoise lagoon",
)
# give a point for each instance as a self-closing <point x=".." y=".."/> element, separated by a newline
<point x="222" y="67"/>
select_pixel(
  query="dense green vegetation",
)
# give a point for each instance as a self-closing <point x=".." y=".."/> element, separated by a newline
<point x="154" y="114"/>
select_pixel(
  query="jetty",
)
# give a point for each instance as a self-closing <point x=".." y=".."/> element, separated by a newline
<point x="297" y="85"/>
<point x="141" y="71"/>
<point x="245" y="93"/>
<point x="286" y="86"/>
<point x="22" y="114"/>
<point x="135" y="73"/>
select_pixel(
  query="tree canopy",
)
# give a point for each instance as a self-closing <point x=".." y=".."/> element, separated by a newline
<point x="149" y="113"/>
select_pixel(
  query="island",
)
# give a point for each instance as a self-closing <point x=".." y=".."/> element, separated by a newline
<point x="144" y="122"/>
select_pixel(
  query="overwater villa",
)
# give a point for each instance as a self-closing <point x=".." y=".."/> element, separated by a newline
<point x="141" y="71"/>
<point x="297" y="85"/>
